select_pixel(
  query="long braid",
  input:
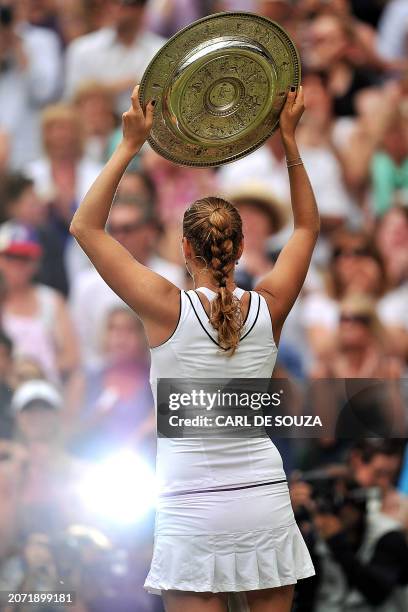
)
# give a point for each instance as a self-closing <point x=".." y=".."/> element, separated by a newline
<point x="214" y="228"/>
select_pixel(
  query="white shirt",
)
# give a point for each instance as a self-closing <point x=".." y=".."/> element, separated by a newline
<point x="40" y="172"/>
<point x="326" y="178"/>
<point x="318" y="309"/>
<point x="92" y="299"/>
<point x="23" y="93"/>
<point x="262" y="166"/>
<point x="393" y="30"/>
<point x="393" y="307"/>
<point x="101" y="56"/>
<point x="187" y="464"/>
<point x="322" y="166"/>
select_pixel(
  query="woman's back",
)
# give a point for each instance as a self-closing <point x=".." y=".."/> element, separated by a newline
<point x="193" y="352"/>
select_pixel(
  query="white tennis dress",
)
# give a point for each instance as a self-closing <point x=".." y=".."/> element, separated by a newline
<point x="224" y="520"/>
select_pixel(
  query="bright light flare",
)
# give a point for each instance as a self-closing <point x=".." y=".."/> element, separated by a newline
<point x="121" y="488"/>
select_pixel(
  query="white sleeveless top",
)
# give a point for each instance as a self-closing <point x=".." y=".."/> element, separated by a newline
<point x="188" y="464"/>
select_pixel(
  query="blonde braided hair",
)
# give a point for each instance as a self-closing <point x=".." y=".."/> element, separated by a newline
<point x="213" y="227"/>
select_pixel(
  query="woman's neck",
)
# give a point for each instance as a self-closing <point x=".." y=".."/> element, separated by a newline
<point x="360" y="358"/>
<point x="18" y="293"/>
<point x="64" y="159"/>
<point x="203" y="278"/>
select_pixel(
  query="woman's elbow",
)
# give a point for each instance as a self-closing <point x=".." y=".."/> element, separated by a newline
<point x="77" y="229"/>
<point x="313" y="230"/>
<point x="74" y="227"/>
<point x="83" y="233"/>
<point x="315" y="227"/>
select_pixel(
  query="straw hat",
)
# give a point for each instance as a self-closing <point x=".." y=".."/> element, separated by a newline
<point x="259" y="194"/>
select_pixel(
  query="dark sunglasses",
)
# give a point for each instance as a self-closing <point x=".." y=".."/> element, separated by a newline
<point x="358" y="252"/>
<point x="125" y="228"/>
<point x="361" y="319"/>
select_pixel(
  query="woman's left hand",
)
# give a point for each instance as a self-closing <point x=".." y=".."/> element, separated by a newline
<point x="291" y="113"/>
<point x="136" y="123"/>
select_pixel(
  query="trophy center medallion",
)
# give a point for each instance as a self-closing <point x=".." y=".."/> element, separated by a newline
<point x="225" y="98"/>
<point x="224" y="95"/>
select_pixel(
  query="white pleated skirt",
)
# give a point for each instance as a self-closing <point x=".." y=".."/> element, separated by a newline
<point x="227" y="541"/>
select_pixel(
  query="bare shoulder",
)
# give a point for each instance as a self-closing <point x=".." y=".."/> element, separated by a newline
<point x="159" y="329"/>
<point x="276" y="320"/>
<point x="269" y="298"/>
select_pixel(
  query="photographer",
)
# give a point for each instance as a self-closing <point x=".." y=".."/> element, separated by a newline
<point x="361" y="553"/>
<point x="30" y="69"/>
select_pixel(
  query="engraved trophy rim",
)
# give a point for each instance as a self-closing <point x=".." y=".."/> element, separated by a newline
<point x="168" y="119"/>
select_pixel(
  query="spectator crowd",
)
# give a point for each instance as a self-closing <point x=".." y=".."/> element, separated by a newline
<point x="74" y="383"/>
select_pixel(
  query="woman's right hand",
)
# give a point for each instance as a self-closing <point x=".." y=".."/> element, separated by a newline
<point x="136" y="124"/>
<point x="291" y="113"/>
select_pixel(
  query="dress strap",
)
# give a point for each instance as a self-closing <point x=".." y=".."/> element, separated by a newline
<point x="202" y="316"/>
<point x="239" y="292"/>
<point x="210" y="294"/>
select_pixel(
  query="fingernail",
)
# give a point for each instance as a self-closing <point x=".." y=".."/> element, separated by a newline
<point x="293" y="88"/>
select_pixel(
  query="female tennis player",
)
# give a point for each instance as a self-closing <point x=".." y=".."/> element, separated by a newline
<point x="224" y="522"/>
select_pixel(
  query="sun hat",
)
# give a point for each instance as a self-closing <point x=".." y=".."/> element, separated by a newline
<point x="258" y="193"/>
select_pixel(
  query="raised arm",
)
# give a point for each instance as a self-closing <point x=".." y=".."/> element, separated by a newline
<point x="151" y="296"/>
<point x="282" y="285"/>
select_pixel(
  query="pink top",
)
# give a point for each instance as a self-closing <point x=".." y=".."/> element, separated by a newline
<point x="33" y="336"/>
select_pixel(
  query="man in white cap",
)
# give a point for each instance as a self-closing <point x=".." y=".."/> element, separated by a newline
<point x="37" y="405"/>
<point x="48" y="495"/>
